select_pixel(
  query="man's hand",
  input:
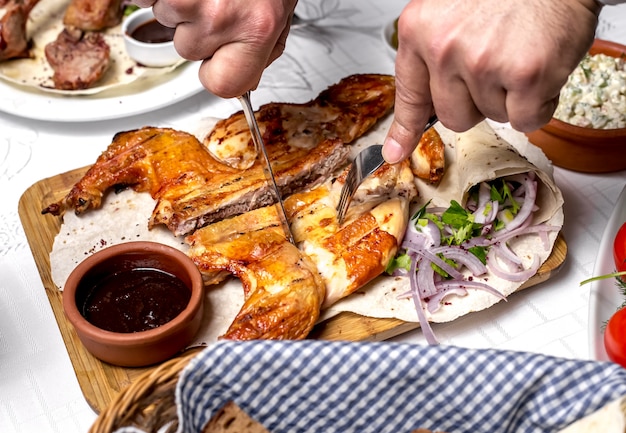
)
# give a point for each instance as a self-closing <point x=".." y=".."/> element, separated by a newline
<point x="466" y="61"/>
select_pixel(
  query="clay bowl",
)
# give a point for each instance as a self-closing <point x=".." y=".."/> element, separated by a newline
<point x="117" y="298"/>
<point x="584" y="149"/>
<point x="152" y="54"/>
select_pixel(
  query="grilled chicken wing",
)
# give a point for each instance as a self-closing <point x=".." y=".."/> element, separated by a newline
<point x="191" y="188"/>
<point x="344" y="111"/>
<point x="282" y="288"/>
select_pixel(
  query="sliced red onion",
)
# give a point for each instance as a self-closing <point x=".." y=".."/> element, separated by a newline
<point x="529" y="201"/>
<point x="419" y="309"/>
<point x="484" y="216"/>
<point x="505" y="252"/>
<point x="425" y="279"/>
<point x="524" y="230"/>
<point x="484" y="193"/>
<point x="434" y="303"/>
<point x="518" y="277"/>
<point x="441" y="263"/>
<point x="458" y="287"/>
<point x="422" y="238"/>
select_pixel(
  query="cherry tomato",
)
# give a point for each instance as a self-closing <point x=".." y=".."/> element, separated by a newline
<point x="619" y="249"/>
<point x="615" y="337"/>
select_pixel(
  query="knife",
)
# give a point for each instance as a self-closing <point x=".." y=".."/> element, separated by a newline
<point x="267" y="165"/>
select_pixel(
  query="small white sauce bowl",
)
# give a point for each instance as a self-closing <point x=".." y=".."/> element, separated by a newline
<point x="156" y="55"/>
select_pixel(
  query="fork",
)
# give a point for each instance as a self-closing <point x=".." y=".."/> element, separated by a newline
<point x="366" y="162"/>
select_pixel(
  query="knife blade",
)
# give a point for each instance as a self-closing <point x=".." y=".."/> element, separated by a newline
<point x="267" y="164"/>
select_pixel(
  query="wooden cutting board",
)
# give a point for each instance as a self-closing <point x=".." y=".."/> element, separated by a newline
<point x="101" y="382"/>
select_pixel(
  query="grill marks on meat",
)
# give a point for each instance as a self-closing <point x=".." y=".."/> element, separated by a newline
<point x="79" y="59"/>
<point x="345" y="111"/>
<point x="351" y="255"/>
<point x="193" y="189"/>
<point x="227" y="192"/>
<point x="14" y="42"/>
<point x="286" y="286"/>
<point x="283" y="291"/>
<point x="93" y="15"/>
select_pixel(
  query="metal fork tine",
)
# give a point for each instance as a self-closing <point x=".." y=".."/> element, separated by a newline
<point x="366" y="162"/>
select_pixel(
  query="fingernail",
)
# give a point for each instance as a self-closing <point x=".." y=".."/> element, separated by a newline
<point x="392" y="151"/>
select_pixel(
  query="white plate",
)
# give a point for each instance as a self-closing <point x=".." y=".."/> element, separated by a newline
<point x="605" y="297"/>
<point x="161" y="92"/>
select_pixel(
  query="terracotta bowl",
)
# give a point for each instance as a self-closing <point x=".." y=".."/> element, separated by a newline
<point x="584" y="149"/>
<point x="147" y="53"/>
<point x="117" y="317"/>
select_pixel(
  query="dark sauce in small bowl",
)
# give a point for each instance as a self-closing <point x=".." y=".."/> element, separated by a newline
<point x="153" y="32"/>
<point x="135" y="300"/>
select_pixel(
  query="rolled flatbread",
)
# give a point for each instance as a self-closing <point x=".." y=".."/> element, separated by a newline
<point x="477" y="155"/>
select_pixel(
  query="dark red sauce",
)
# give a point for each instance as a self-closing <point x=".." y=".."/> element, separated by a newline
<point x="153" y="32"/>
<point x="135" y="300"/>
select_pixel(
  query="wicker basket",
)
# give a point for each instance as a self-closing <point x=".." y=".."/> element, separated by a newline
<point x="148" y="403"/>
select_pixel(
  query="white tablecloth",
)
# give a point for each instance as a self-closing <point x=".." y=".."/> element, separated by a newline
<point x="38" y="389"/>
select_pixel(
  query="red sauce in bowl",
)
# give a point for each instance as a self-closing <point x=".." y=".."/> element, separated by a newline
<point x="135" y="300"/>
<point x="153" y="32"/>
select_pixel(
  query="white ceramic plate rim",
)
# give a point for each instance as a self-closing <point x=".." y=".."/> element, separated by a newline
<point x="85" y="108"/>
<point x="605" y="298"/>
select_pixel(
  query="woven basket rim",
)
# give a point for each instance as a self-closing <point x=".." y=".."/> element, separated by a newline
<point x="149" y="402"/>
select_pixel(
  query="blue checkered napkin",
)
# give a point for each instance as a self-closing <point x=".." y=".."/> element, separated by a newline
<point x="321" y="386"/>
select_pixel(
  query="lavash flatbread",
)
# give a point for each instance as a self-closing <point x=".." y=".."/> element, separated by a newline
<point x="477" y="155"/>
<point x="128" y="213"/>
<point x="44" y="25"/>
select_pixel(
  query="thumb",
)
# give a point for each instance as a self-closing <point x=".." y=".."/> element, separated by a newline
<point x="413" y="107"/>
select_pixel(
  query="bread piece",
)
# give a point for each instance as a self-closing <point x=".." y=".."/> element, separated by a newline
<point x="232" y="419"/>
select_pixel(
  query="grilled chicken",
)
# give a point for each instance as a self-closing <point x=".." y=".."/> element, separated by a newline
<point x="286" y="286"/>
<point x="344" y="111"/>
<point x="232" y="226"/>
<point x="79" y="59"/>
<point x="350" y="255"/>
<point x="282" y="288"/>
<point x="193" y="189"/>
